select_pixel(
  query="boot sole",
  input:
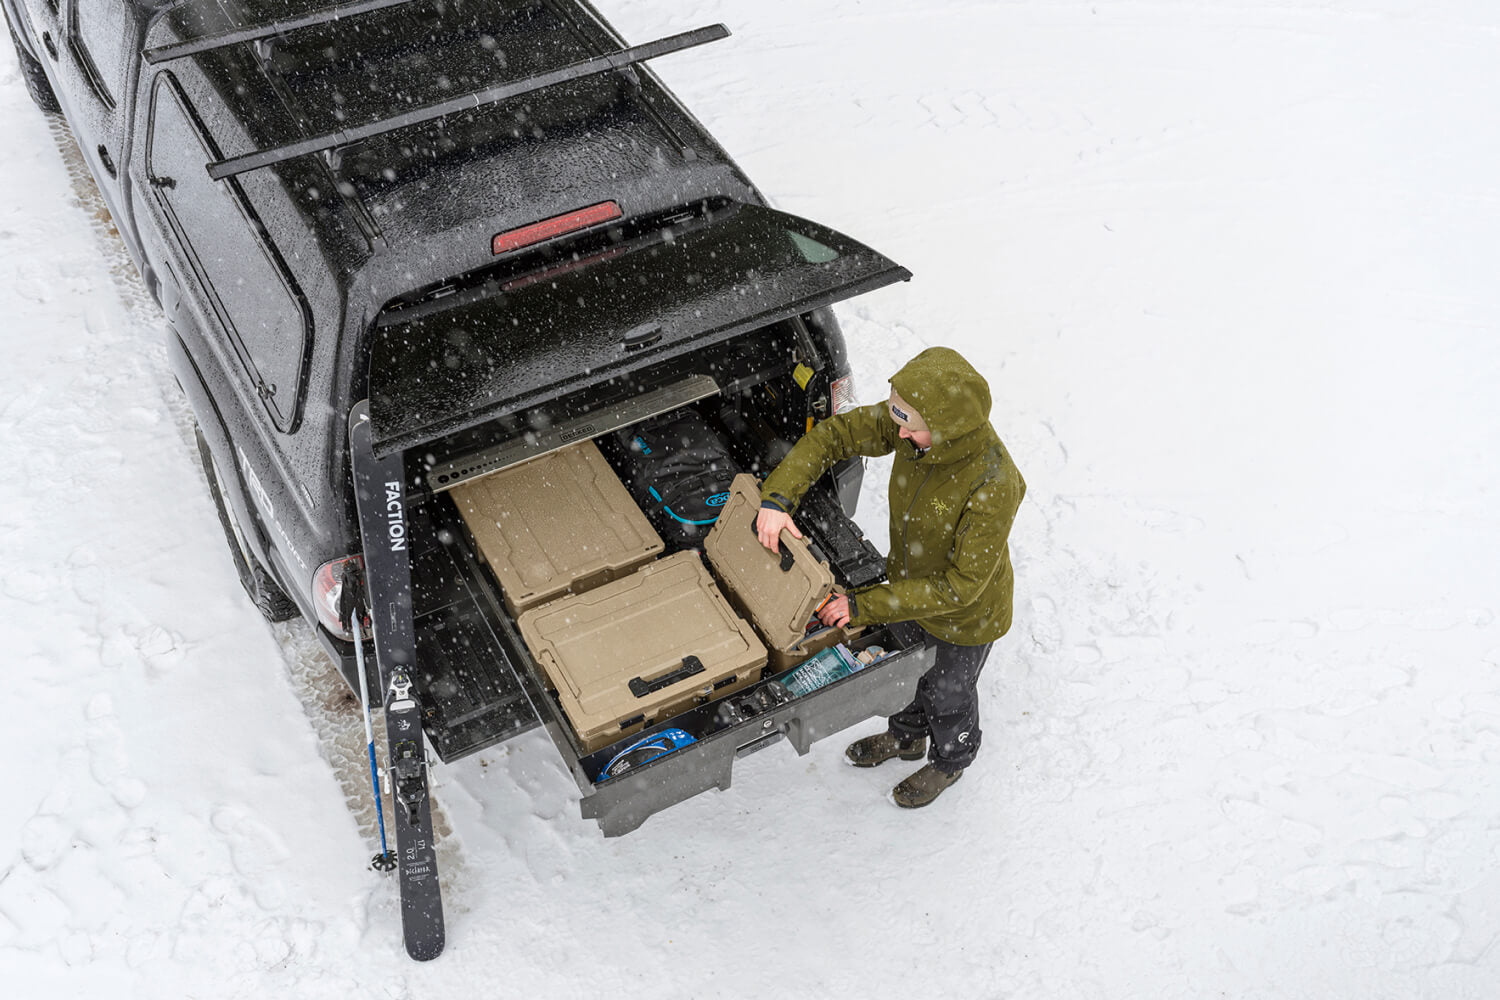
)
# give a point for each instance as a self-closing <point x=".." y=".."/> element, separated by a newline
<point x="877" y="763"/>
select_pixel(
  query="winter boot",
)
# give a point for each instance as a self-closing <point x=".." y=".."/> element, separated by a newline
<point x="873" y="750"/>
<point x="924" y="786"/>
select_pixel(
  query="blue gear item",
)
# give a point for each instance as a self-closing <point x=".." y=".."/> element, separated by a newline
<point x="644" y="751"/>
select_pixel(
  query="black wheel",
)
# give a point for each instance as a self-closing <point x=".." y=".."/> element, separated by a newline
<point x="34" y="75"/>
<point x="263" y="590"/>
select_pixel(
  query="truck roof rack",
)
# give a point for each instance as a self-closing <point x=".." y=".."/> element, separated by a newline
<point x="208" y="43"/>
<point x="235" y="165"/>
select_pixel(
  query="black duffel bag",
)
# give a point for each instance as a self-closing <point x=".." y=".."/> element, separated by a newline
<point x="678" y="468"/>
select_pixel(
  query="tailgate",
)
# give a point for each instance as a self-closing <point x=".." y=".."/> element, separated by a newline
<point x="446" y="364"/>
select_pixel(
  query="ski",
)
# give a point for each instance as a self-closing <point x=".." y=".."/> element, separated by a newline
<point x="380" y="498"/>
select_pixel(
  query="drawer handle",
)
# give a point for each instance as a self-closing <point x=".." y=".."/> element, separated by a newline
<point x="690" y="665"/>
<point x="759" y="743"/>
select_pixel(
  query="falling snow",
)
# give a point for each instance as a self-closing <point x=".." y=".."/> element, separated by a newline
<point x="1229" y="268"/>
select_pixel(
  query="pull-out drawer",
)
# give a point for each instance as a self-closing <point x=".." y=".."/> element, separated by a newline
<point x="622" y="803"/>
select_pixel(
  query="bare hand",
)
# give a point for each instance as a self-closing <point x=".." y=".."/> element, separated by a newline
<point x="768" y="526"/>
<point x="836" y="611"/>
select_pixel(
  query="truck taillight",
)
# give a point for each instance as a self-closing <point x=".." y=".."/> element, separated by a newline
<point x="843" y="394"/>
<point x="328" y="585"/>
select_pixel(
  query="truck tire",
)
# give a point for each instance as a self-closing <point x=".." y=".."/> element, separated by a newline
<point x="266" y="594"/>
<point x="34" y="74"/>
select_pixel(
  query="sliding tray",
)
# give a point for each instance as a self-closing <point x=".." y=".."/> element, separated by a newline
<point x="620" y="804"/>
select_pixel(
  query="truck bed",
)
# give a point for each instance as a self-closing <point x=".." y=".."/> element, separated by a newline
<point x="469" y="647"/>
<point x="481" y="686"/>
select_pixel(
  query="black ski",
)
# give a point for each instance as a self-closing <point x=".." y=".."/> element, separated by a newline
<point x="380" y="497"/>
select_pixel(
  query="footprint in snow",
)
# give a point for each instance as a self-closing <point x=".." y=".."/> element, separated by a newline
<point x="255" y="851"/>
<point x="108" y="762"/>
<point x="43" y="841"/>
<point x="1046" y="628"/>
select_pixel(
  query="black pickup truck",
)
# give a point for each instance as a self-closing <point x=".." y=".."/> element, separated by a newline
<point x="488" y="225"/>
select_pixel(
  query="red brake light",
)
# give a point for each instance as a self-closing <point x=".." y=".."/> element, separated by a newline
<point x="568" y="222"/>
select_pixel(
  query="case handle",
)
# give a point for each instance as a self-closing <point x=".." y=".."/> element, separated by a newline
<point x="787" y="559"/>
<point x="690" y="665"/>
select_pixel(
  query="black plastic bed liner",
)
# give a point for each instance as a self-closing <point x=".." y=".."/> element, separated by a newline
<point x="472" y="697"/>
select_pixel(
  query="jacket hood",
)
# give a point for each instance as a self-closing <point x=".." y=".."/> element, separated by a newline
<point x="949" y="394"/>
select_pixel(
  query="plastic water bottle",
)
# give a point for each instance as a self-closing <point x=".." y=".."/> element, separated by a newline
<point x="821" y="670"/>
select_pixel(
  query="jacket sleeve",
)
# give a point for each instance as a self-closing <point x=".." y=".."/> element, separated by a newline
<point x="979" y="549"/>
<point x="865" y="430"/>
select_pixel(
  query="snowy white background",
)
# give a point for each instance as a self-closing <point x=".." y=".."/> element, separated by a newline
<point x="1231" y="269"/>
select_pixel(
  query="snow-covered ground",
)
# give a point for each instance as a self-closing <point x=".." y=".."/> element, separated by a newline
<point x="1230" y="267"/>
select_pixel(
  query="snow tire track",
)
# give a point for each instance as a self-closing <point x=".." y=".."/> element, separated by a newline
<point x="335" y="714"/>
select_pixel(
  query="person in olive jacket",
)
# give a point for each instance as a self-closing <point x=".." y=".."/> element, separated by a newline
<point x="954" y="493"/>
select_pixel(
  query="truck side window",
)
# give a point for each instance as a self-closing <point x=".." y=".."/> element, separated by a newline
<point x="97" y="35"/>
<point x="255" y="297"/>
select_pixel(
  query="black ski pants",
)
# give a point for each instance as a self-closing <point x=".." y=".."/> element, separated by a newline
<point x="947" y="704"/>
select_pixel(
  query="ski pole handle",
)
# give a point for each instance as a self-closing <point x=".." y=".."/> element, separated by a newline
<point x="352" y="594"/>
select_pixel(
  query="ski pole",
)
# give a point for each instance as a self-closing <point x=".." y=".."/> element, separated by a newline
<point x="352" y="597"/>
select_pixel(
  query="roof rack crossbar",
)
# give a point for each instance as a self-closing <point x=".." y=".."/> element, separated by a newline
<point x="234" y="165"/>
<point x="208" y="43"/>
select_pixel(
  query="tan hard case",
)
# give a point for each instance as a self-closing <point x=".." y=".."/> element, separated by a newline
<point x="560" y="523"/>
<point x="642" y="648"/>
<point x="778" y="592"/>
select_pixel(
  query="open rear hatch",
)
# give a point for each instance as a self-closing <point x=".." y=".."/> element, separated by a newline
<point x="518" y="339"/>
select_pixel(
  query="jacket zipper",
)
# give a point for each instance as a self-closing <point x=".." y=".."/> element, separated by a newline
<point x="906" y="527"/>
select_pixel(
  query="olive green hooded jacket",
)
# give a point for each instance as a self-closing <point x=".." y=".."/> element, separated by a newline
<point x="952" y="507"/>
